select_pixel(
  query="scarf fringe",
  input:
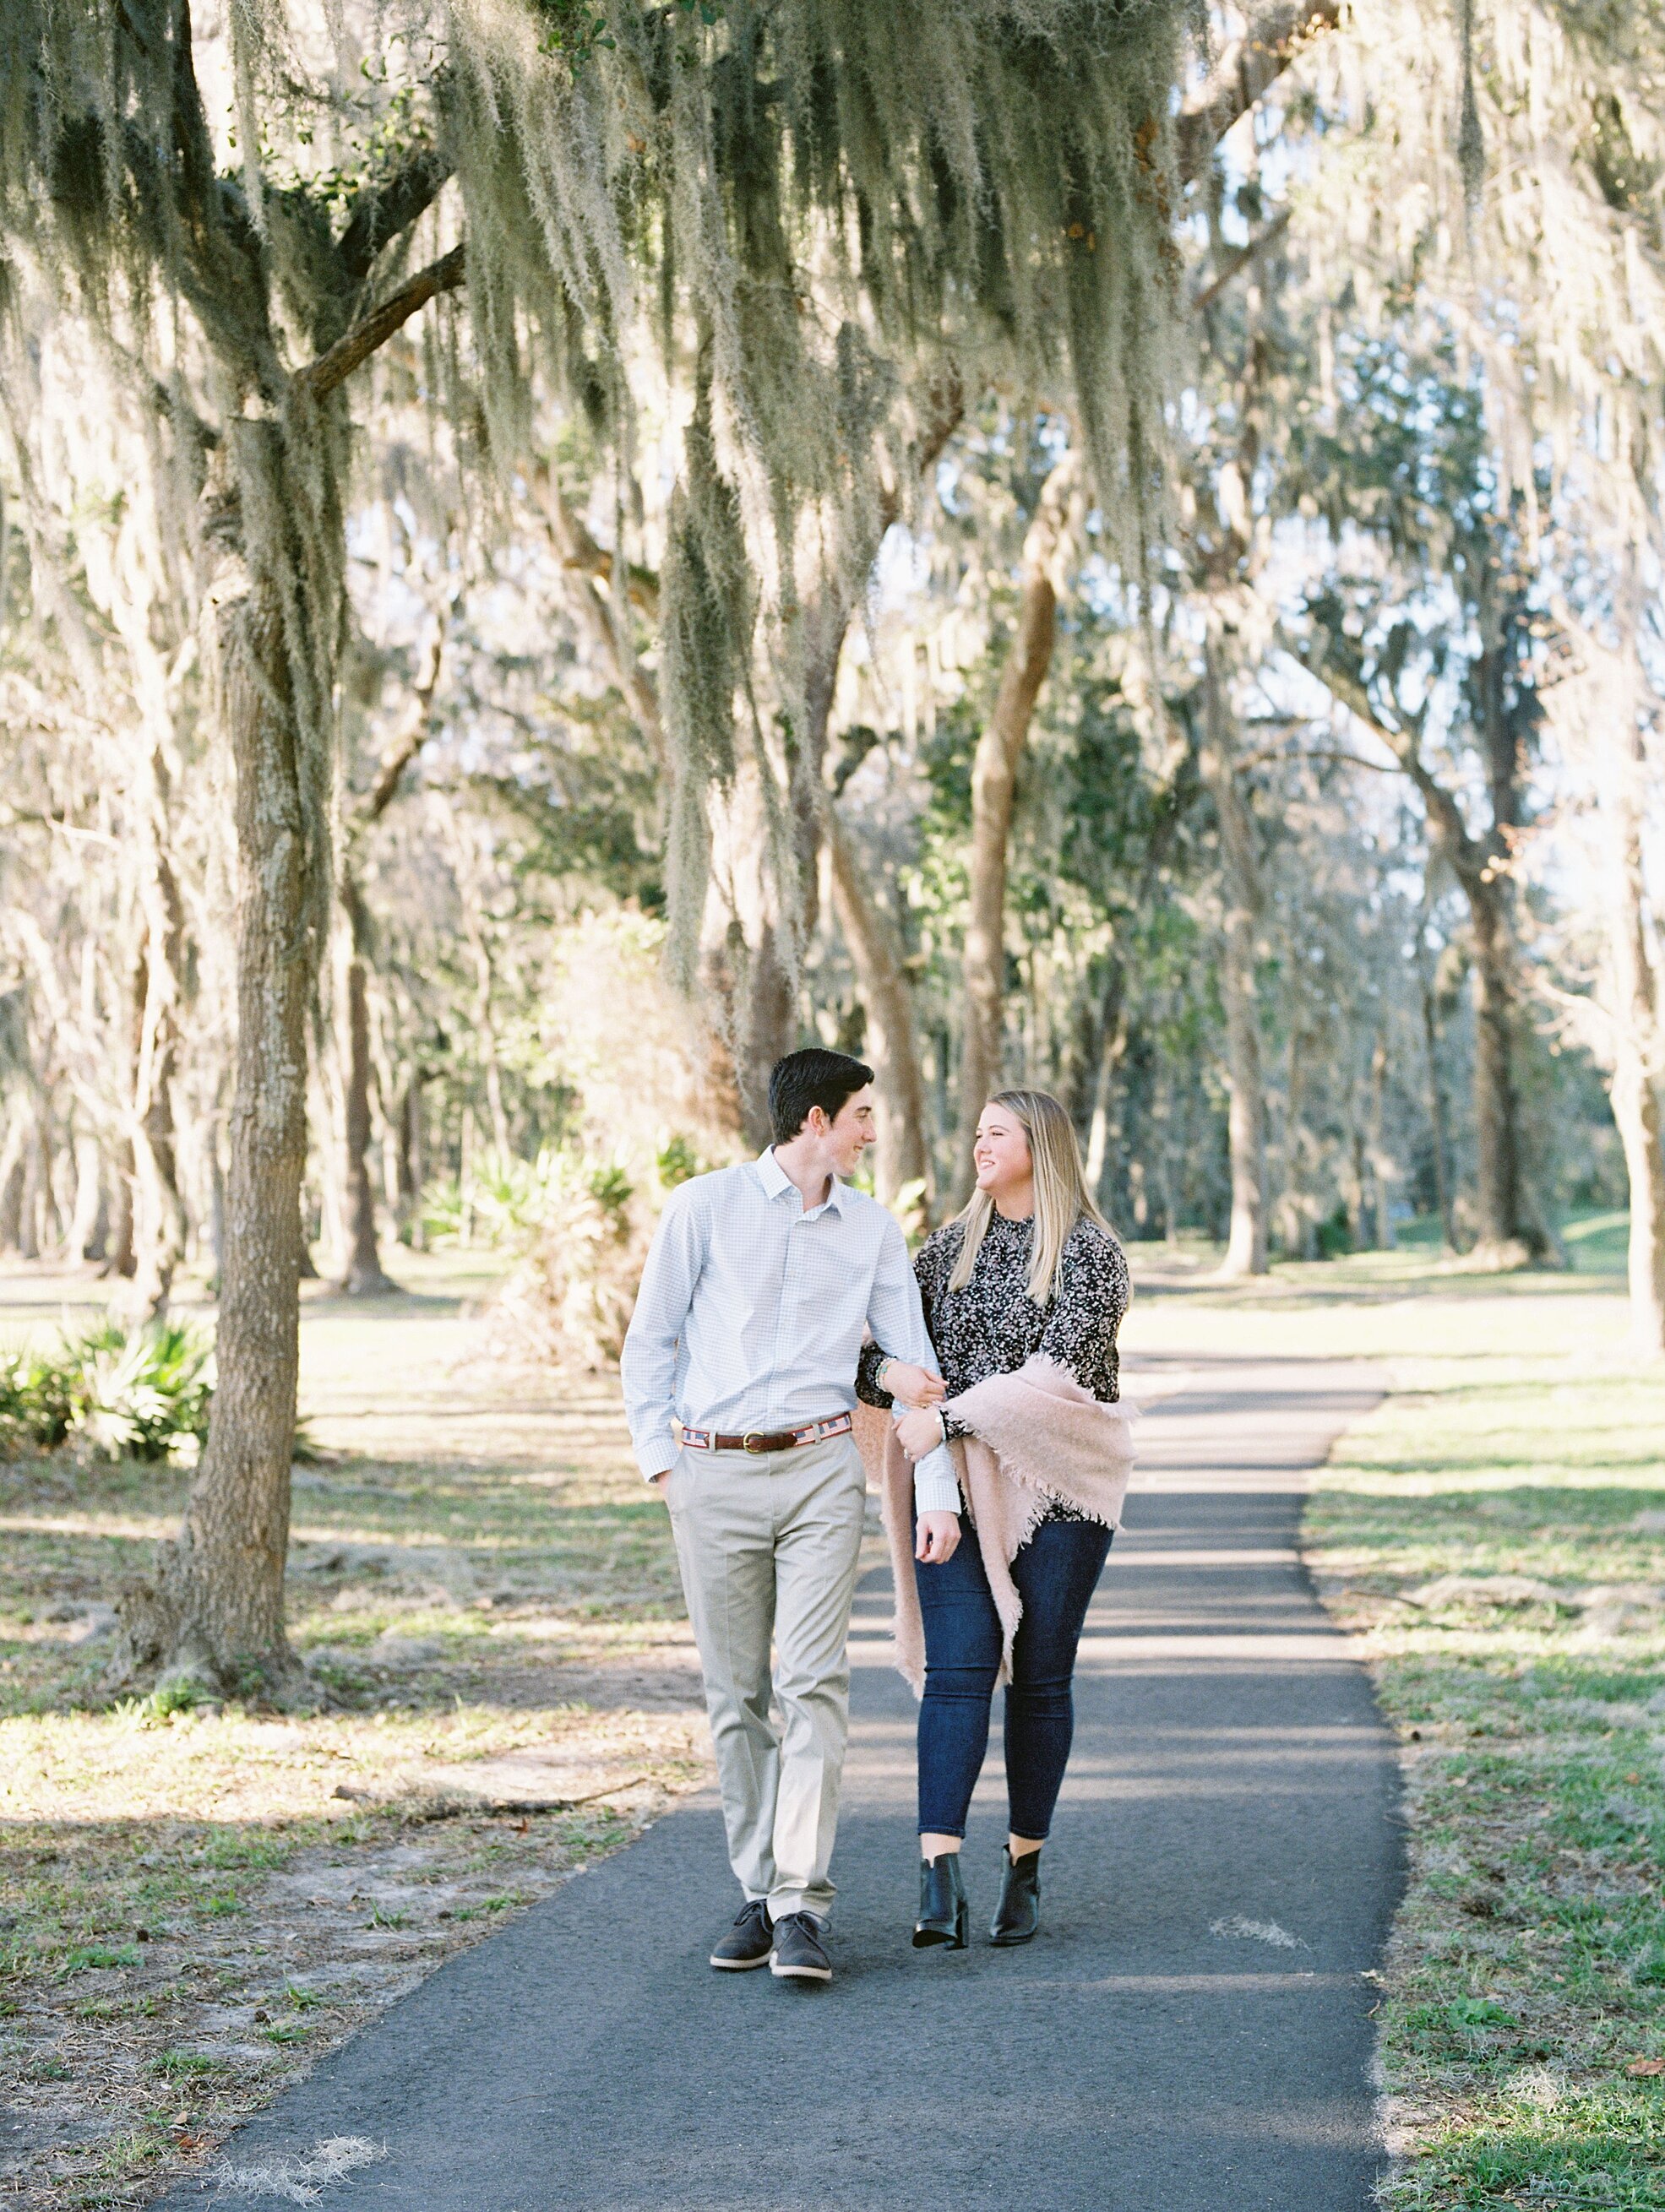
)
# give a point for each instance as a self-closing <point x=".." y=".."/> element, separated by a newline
<point x="1039" y="1436"/>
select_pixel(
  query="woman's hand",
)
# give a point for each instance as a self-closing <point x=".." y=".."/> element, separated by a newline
<point x="935" y="1537"/>
<point x="918" y="1433"/>
<point x="914" y="1386"/>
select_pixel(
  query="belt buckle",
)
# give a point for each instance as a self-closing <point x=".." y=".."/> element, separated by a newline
<point x="747" y="1445"/>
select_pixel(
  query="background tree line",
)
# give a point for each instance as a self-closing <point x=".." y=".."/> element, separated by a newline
<point x="613" y="541"/>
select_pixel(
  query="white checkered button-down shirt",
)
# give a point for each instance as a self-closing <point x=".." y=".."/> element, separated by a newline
<point x="751" y="1312"/>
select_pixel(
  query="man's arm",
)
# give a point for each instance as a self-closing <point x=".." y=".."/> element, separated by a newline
<point x="648" y="1361"/>
<point x="897" y="1321"/>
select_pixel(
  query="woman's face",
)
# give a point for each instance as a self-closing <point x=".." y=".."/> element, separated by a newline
<point x="1001" y="1152"/>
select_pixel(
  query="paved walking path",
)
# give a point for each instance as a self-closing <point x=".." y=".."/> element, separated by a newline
<point x="1190" y="2033"/>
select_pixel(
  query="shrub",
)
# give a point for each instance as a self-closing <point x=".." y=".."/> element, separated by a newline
<point x="142" y="1393"/>
<point x="138" y="1394"/>
<point x="37" y="1402"/>
<point x="569" y="1300"/>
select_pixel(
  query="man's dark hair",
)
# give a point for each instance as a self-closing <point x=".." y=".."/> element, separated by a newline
<point x="810" y="1078"/>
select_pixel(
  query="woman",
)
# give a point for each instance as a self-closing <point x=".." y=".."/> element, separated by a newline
<point x="1024" y="1293"/>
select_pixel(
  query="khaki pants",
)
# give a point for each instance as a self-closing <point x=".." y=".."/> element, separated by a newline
<point x="769" y="1542"/>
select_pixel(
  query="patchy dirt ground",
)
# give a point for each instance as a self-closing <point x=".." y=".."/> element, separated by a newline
<point x="194" y="1904"/>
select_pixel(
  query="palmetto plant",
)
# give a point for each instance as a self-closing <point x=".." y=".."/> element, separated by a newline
<point x="37" y="1402"/>
<point x="141" y="1394"/>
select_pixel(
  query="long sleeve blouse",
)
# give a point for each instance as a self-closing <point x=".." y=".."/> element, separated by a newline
<point x="992" y="1326"/>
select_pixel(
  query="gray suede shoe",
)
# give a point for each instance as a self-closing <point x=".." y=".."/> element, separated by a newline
<point x="748" y="1943"/>
<point x="799" y="1955"/>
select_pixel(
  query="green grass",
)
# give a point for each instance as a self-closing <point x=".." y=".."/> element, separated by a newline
<point x="186" y="1886"/>
<point x="1596" y="1242"/>
<point x="1526" y="1973"/>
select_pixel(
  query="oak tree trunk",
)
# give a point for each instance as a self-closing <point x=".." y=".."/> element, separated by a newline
<point x="1381" y="1186"/>
<point x="1246" y="1248"/>
<point x="1638" y="1050"/>
<point x="215" y="1608"/>
<point x="364" y="1276"/>
<point x="994" y="795"/>
<point x="1438" y="1113"/>
<point x="1503" y="1236"/>
<point x="887" y="1001"/>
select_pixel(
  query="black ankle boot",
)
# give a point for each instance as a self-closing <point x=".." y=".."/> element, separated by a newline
<point x="1018" y="1915"/>
<point x="944" y="1915"/>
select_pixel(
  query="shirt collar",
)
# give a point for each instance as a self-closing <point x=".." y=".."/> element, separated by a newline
<point x="775" y="1179"/>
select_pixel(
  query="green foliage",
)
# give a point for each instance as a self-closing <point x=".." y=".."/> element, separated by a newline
<point x="186" y="2065"/>
<point x="835" y="214"/>
<point x="92" y="1958"/>
<point x="37" y="1402"/>
<point x="677" y="1162"/>
<point x="141" y="1394"/>
<point x="504" y="1200"/>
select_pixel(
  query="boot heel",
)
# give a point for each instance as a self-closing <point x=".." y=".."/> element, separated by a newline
<point x="945" y="1916"/>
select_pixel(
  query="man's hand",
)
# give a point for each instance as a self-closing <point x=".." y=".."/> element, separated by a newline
<point x="657" y="1482"/>
<point x="915" y="1386"/>
<point x="935" y="1537"/>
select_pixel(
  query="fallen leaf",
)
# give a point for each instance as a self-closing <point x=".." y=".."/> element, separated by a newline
<point x="1647" y="2068"/>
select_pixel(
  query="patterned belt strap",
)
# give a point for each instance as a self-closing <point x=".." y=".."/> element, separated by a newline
<point x="761" y="1440"/>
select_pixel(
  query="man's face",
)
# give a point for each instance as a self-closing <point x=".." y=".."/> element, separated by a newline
<point x="852" y="1130"/>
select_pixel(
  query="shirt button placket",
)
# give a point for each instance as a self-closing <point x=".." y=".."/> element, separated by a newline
<point x="787" y="1299"/>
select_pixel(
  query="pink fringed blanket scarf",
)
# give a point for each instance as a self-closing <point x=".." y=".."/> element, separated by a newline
<point x="1039" y="1436"/>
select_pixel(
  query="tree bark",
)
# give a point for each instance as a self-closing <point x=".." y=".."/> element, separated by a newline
<point x="412" y="1167"/>
<point x="1511" y="1235"/>
<point x="1496" y="1107"/>
<point x="887" y="999"/>
<point x="1380" y="1183"/>
<point x="159" y="1217"/>
<point x="216" y="1605"/>
<point x="994" y="795"/>
<point x="364" y="1275"/>
<point x="1295" y="1226"/>
<point x="1112" y="1048"/>
<point x="1246" y="1248"/>
<point x="1638" y="1047"/>
<point x="1438" y="1115"/>
<point x="11" y="1181"/>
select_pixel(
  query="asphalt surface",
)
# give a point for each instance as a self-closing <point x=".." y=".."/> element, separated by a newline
<point x="1190" y="2033"/>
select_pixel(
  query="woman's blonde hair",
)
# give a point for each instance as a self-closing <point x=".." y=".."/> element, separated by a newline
<point x="1061" y="1196"/>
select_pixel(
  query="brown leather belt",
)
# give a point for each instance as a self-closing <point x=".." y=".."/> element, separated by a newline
<point x="759" y="1440"/>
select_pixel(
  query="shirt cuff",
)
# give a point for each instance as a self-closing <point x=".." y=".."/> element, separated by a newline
<point x="657" y="1456"/>
<point x="936" y="1486"/>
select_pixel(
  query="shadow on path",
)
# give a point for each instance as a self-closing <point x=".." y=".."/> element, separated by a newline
<point x="1190" y="2033"/>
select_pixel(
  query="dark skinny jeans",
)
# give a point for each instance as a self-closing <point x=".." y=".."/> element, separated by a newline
<point x="1056" y="1573"/>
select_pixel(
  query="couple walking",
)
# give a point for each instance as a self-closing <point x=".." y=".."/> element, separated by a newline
<point x="776" y="1296"/>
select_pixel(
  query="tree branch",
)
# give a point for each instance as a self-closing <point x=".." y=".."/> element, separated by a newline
<point x="356" y="345"/>
<point x="1239" y="261"/>
<point x="578" y="550"/>
<point x="381" y="212"/>
<point x="948" y="412"/>
<point x="1466" y="854"/>
<point x="408" y="743"/>
<point x="1244" y="71"/>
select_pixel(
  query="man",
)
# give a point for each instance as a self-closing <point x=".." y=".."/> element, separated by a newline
<point x="746" y="1334"/>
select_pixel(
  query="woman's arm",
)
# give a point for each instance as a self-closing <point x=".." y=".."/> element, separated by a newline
<point x="1086" y="1312"/>
<point x="873" y="1358"/>
<point x="900" y="1380"/>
